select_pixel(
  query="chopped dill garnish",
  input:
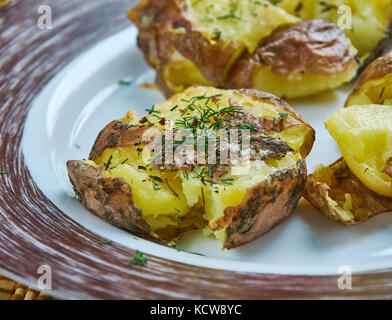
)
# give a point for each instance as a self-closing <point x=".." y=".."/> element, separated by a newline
<point x="183" y="250"/>
<point x="298" y="7"/>
<point x="265" y="98"/>
<point x="156" y="186"/>
<point x="152" y="110"/>
<point x="227" y="181"/>
<point x="105" y="242"/>
<point x="381" y="93"/>
<point x="217" y="34"/>
<point x="340" y="171"/>
<point x="107" y="164"/>
<point x="155" y="178"/>
<point x="124" y="82"/>
<point x="201" y="172"/>
<point x="327" y="7"/>
<point x="138" y="259"/>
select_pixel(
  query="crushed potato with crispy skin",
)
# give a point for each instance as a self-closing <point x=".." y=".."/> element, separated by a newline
<point x="237" y="202"/>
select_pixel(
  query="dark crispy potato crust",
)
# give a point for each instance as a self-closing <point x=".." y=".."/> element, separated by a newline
<point x="337" y="180"/>
<point x="264" y="206"/>
<point x="109" y="198"/>
<point x="117" y="134"/>
<point x="152" y="40"/>
<point x="207" y="55"/>
<point x="388" y="167"/>
<point x="314" y="46"/>
<point x="288" y="122"/>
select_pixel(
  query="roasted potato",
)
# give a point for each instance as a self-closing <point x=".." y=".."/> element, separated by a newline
<point x="241" y="44"/>
<point x="371" y="19"/>
<point x="307" y="58"/>
<point x="123" y="183"/>
<point x="359" y="186"/>
<point x="341" y="196"/>
<point x="374" y="86"/>
<point x="364" y="135"/>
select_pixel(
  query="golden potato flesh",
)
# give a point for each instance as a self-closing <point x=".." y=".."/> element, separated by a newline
<point x="364" y="136"/>
<point x="374" y="86"/>
<point x="300" y="85"/>
<point x="243" y="22"/>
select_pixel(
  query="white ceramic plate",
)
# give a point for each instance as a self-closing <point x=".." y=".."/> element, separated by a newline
<point x="67" y="116"/>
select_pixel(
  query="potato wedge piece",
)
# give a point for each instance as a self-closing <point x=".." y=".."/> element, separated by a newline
<point x="237" y="202"/>
<point x="341" y="196"/>
<point x="374" y="86"/>
<point x="364" y="135"/>
<point x="371" y="20"/>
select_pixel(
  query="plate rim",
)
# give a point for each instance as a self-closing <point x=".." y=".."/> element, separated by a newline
<point x="183" y="281"/>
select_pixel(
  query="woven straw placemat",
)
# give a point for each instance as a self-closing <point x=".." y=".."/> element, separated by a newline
<point x="11" y="290"/>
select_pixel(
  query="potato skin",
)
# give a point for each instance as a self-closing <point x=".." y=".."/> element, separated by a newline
<point x="315" y="46"/>
<point x="364" y="201"/>
<point x="264" y="206"/>
<point x="151" y="39"/>
<point x="209" y="56"/>
<point x="378" y="69"/>
<point x="309" y="140"/>
<point x="109" y="198"/>
<point x="155" y="47"/>
<point x="296" y="50"/>
<point x="117" y="134"/>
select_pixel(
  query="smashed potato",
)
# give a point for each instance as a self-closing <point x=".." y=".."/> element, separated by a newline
<point x="359" y="186"/>
<point x="241" y="44"/>
<point x="371" y="20"/>
<point x="237" y="202"/>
